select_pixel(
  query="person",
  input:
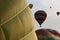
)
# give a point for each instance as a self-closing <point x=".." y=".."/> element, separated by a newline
<point x="16" y="21"/>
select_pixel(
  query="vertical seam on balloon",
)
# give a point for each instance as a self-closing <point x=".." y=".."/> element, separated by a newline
<point x="3" y="33"/>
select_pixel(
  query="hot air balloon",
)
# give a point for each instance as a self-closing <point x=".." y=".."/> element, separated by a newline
<point x="14" y="14"/>
<point x="58" y="13"/>
<point x="47" y="34"/>
<point x="50" y="7"/>
<point x="30" y="6"/>
<point x="40" y="16"/>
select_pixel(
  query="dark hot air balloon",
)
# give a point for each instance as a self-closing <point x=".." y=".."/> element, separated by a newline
<point x="40" y="16"/>
<point x="50" y="7"/>
<point x="58" y="13"/>
<point x="30" y="6"/>
<point x="47" y="34"/>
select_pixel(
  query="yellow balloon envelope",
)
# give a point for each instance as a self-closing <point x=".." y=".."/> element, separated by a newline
<point x="16" y="21"/>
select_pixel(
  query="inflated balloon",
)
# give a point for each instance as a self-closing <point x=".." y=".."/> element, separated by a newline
<point x="40" y="16"/>
<point x="30" y="5"/>
<point x="58" y="13"/>
<point x="50" y="7"/>
<point x="47" y="34"/>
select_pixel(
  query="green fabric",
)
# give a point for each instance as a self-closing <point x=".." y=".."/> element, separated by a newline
<point x="48" y="37"/>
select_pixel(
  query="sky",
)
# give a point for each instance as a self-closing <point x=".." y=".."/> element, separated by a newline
<point x="53" y="20"/>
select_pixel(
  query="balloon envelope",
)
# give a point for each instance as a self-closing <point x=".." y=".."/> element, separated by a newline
<point x="58" y="13"/>
<point x="30" y="5"/>
<point x="40" y="16"/>
<point x="47" y="34"/>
